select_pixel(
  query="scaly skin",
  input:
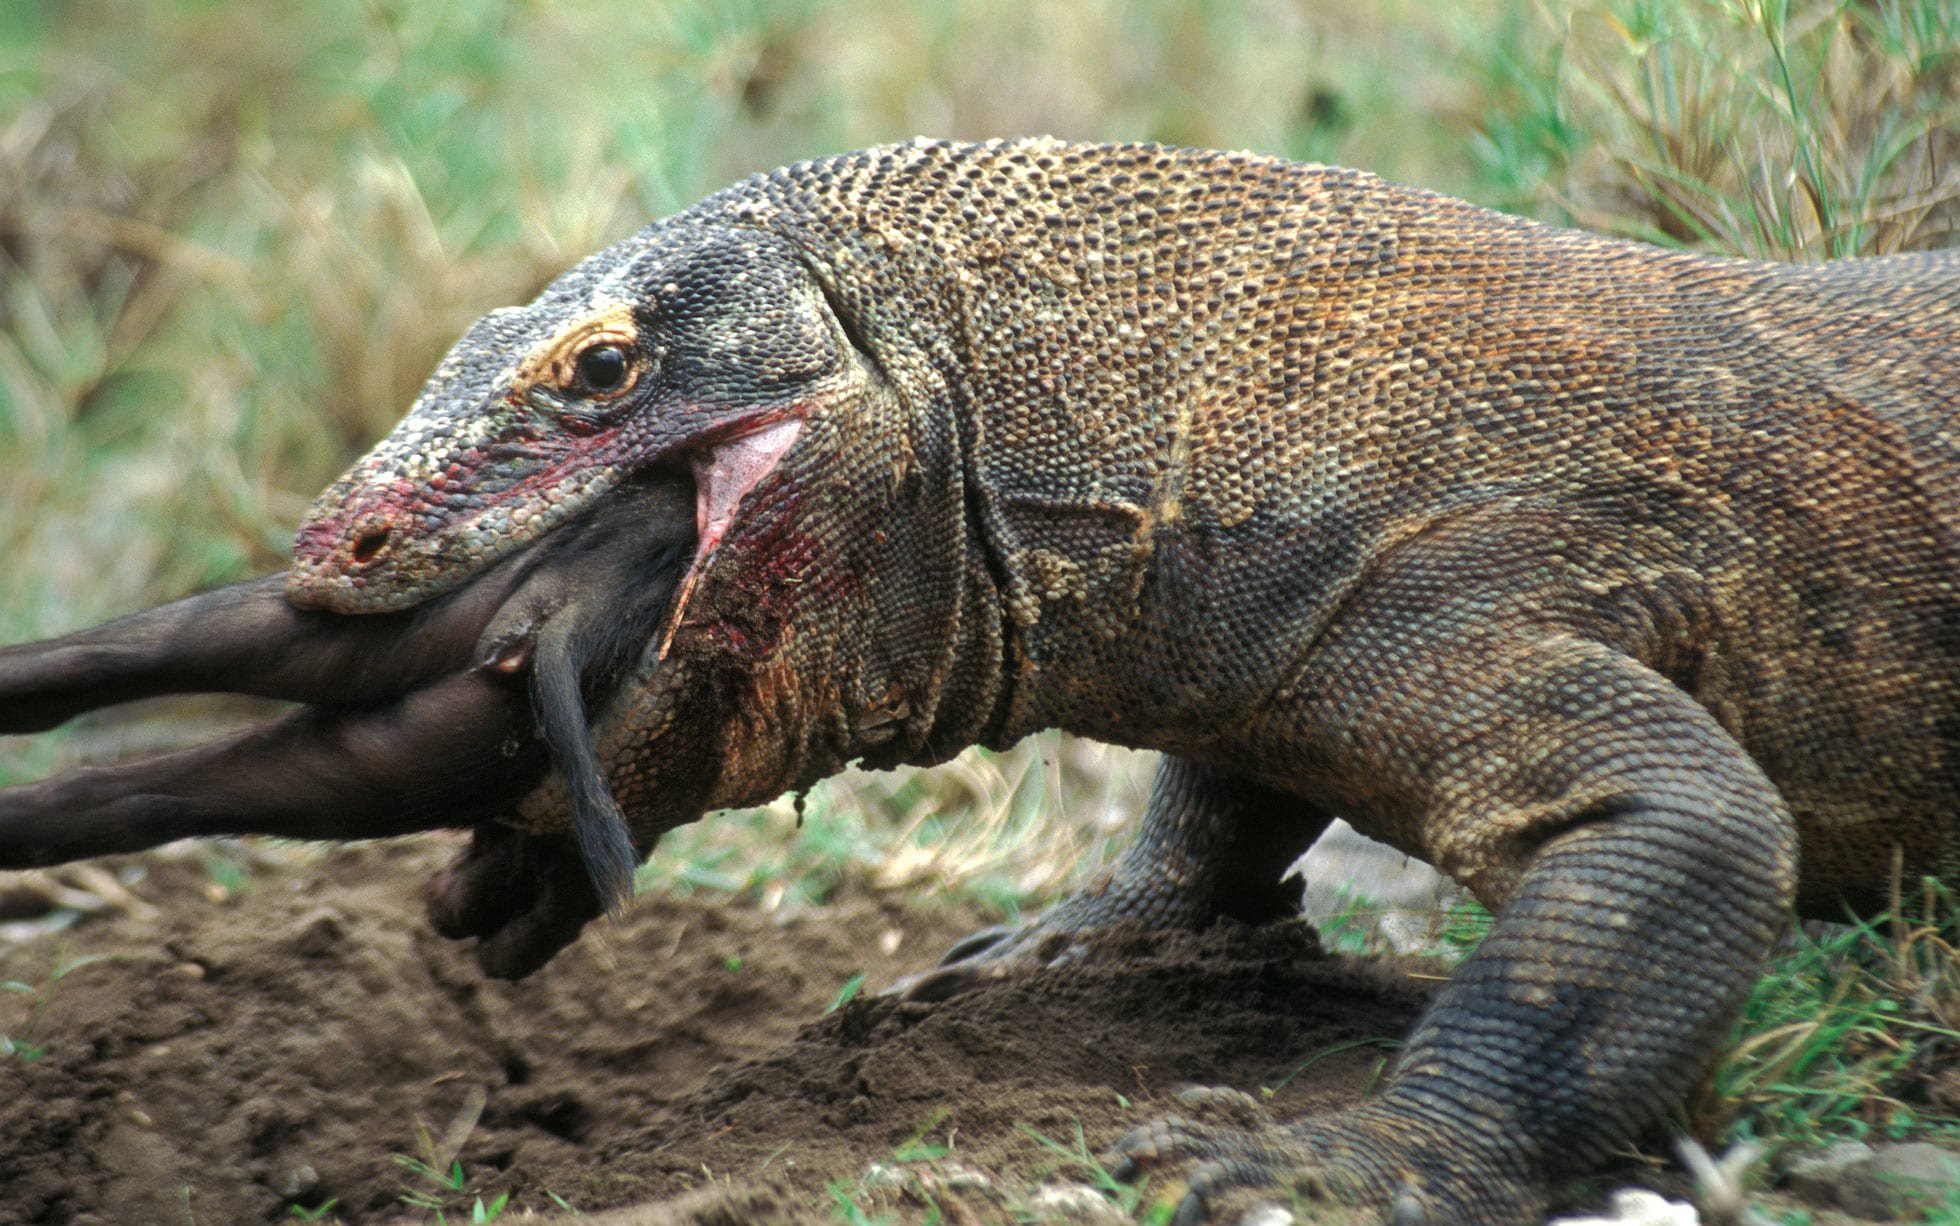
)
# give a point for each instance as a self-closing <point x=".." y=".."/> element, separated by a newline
<point x="1615" y="582"/>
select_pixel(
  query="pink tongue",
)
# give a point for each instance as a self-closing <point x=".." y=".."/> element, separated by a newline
<point x="722" y="478"/>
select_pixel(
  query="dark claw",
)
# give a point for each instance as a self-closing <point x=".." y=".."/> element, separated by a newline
<point x="991" y="954"/>
<point x="1149" y="1146"/>
<point x="1353" y="1166"/>
<point x="974" y="943"/>
<point x="942" y="983"/>
<point x="971" y="961"/>
<point x="1227" y="1185"/>
<point x="1234" y="1107"/>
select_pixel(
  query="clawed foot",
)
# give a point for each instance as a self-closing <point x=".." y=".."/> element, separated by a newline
<point x="523" y="897"/>
<point x="999" y="952"/>
<point x="1365" y="1165"/>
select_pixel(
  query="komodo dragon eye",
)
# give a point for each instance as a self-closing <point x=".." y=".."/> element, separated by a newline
<point x="601" y="369"/>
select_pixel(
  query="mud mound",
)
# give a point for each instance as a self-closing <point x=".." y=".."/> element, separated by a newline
<point x="1100" y="1045"/>
<point x="229" y="1060"/>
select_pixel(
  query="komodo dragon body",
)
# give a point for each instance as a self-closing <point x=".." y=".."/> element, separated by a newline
<point x="1617" y="583"/>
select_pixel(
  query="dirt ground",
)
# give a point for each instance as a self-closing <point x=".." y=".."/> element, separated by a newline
<point x="253" y="1053"/>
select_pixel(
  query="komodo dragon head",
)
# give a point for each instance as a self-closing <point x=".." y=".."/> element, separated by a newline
<point x="692" y="345"/>
<point x="815" y="620"/>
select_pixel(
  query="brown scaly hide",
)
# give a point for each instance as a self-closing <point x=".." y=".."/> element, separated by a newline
<point x="1139" y="423"/>
<point x="1618" y="583"/>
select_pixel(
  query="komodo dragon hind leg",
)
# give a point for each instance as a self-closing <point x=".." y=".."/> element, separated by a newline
<point x="1581" y="1019"/>
<point x="1210" y="845"/>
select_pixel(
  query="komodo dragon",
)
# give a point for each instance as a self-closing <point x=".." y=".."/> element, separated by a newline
<point x="1618" y="583"/>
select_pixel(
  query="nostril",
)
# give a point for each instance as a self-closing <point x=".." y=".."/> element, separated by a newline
<point x="369" y="545"/>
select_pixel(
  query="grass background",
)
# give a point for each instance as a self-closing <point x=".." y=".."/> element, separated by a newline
<point x="235" y="237"/>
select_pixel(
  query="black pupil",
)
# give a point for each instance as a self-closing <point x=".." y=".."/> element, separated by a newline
<point x="602" y="368"/>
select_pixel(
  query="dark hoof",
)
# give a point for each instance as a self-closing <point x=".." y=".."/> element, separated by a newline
<point x="522" y="896"/>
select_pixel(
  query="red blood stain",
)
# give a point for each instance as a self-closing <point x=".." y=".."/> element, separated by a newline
<point x="765" y="575"/>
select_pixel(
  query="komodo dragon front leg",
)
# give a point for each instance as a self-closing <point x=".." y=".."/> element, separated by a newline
<point x="1211" y="845"/>
<point x="1640" y="863"/>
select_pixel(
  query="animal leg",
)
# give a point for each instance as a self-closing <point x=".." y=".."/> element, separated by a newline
<point x="1210" y="844"/>
<point x="447" y="754"/>
<point x="244" y="639"/>
<point x="523" y="896"/>
<point x="1646" y="866"/>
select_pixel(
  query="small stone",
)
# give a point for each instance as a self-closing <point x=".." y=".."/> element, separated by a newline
<point x="957" y="1178"/>
<point x="1639" y="1207"/>
<point x="878" y="1175"/>
<point x="320" y="933"/>
<point x="1074" y="1202"/>
<point x="1899" y="1180"/>
<point x="301" y="1183"/>
<point x="1818" y="1177"/>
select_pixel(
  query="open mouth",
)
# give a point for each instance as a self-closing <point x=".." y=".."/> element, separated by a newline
<point x="385" y="545"/>
<point x="443" y="714"/>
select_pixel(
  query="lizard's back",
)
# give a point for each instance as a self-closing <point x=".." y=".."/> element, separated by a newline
<point x="1764" y="458"/>
<point x="1226" y="382"/>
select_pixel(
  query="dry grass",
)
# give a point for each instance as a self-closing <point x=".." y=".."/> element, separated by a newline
<point x="1782" y="129"/>
<point x="1004" y="830"/>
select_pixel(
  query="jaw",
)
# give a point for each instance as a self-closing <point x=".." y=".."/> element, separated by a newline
<point x="375" y="544"/>
<point x="388" y="537"/>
